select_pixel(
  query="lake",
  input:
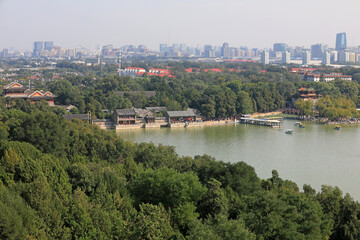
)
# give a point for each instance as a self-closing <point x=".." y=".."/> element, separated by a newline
<point x="315" y="155"/>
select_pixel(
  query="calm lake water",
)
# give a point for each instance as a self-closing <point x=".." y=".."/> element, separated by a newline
<point x="315" y="155"/>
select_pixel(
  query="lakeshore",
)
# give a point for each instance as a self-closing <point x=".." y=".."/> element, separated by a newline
<point x="314" y="155"/>
<point x="269" y="119"/>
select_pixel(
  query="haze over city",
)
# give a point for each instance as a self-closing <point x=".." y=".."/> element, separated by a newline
<point x="257" y="23"/>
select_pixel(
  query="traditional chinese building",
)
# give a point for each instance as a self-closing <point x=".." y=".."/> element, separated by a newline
<point x="180" y="116"/>
<point x="17" y="90"/>
<point x="125" y="116"/>
<point x="308" y="94"/>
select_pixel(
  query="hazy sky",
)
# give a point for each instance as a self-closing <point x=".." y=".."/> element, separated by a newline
<point x="252" y="23"/>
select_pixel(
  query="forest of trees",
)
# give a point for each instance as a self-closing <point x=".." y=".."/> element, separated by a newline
<point x="216" y="95"/>
<point x="69" y="180"/>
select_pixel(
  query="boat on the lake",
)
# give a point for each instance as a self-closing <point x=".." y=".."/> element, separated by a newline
<point x="337" y="127"/>
<point x="289" y="131"/>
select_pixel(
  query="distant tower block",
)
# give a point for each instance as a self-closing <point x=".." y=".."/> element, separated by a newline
<point x="326" y="58"/>
<point x="286" y="57"/>
<point x="265" y="57"/>
<point x="341" y="43"/>
<point x="306" y="57"/>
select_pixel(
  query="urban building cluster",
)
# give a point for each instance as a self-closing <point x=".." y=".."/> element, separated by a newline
<point x="208" y="51"/>
<point x="49" y="50"/>
<point x="320" y="53"/>
<point x="281" y="53"/>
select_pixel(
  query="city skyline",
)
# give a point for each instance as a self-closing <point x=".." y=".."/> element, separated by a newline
<point x="273" y="47"/>
<point x="256" y="24"/>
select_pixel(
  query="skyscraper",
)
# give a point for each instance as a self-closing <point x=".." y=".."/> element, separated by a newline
<point x="38" y="47"/>
<point x="182" y="47"/>
<point x="208" y="51"/>
<point x="286" y="57"/>
<point x="4" y="53"/>
<point x="317" y="50"/>
<point x="306" y="57"/>
<point x="279" y="47"/>
<point x="341" y="41"/>
<point x="48" y="45"/>
<point x="163" y="47"/>
<point x="176" y="47"/>
<point x="265" y="57"/>
<point x="344" y="56"/>
<point x="225" y="50"/>
<point x="208" y="48"/>
<point x="326" y="58"/>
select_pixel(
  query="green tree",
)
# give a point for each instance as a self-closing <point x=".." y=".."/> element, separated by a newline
<point x="152" y="223"/>
<point x="166" y="186"/>
<point x="214" y="202"/>
<point x="244" y="103"/>
<point x="305" y="107"/>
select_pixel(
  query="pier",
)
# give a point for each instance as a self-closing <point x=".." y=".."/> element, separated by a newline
<point x="262" y="122"/>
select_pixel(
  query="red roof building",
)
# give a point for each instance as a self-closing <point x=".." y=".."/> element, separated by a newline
<point x="17" y="90"/>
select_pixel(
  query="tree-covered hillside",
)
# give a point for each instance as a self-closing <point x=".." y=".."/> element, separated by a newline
<point x="70" y="180"/>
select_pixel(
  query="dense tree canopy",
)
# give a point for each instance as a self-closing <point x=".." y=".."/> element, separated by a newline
<point x="70" y="180"/>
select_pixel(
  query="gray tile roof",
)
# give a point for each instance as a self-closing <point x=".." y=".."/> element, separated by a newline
<point x="144" y="113"/>
<point x="156" y="109"/>
<point x="181" y="114"/>
<point x="125" y="112"/>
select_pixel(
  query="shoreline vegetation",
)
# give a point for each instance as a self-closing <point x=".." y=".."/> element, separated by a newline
<point x="325" y="121"/>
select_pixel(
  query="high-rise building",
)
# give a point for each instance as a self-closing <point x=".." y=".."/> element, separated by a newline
<point x="176" y="47"/>
<point x="341" y="43"/>
<point x="279" y="47"/>
<point x="297" y="52"/>
<point x="343" y="56"/>
<point x="352" y="57"/>
<point x="306" y="57"/>
<point x="317" y="50"/>
<point x="334" y="56"/>
<point x="225" y="51"/>
<point x="48" y="45"/>
<point x="286" y="57"/>
<point x="38" y="47"/>
<point x="197" y="51"/>
<point x="70" y="53"/>
<point x="107" y="51"/>
<point x="357" y="58"/>
<point x="265" y="57"/>
<point x="255" y="52"/>
<point x="4" y="53"/>
<point x="163" y="47"/>
<point x="208" y="48"/>
<point x="326" y="57"/>
<point x="208" y="51"/>
<point x="182" y="47"/>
